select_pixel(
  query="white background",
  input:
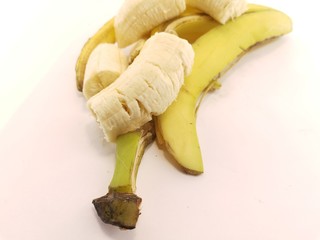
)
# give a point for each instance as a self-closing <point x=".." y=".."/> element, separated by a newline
<point x="260" y="138"/>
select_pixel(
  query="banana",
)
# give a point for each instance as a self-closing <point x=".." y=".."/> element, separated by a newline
<point x="220" y="10"/>
<point x="137" y="18"/>
<point x="105" y="34"/>
<point x="165" y="81"/>
<point x="215" y="52"/>
<point x="104" y="66"/>
<point x="148" y="86"/>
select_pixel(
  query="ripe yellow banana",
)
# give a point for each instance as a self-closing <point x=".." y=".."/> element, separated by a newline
<point x="104" y="66"/>
<point x="148" y="86"/>
<point x="215" y="52"/>
<point x="105" y="34"/>
<point x="137" y="18"/>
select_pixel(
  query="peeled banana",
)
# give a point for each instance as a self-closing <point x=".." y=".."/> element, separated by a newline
<point x="137" y="18"/>
<point x="104" y="66"/>
<point x="215" y="52"/>
<point x="148" y="86"/>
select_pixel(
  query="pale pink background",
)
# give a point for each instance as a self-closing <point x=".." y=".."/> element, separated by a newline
<point x="260" y="138"/>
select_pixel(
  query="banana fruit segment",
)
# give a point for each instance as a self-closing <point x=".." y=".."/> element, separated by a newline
<point x="148" y="86"/>
<point x="220" y="10"/>
<point x="215" y="52"/>
<point x="137" y="17"/>
<point x="104" y="66"/>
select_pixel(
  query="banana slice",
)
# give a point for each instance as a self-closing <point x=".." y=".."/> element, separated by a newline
<point x="148" y="86"/>
<point x="220" y="10"/>
<point x="104" y="66"/>
<point x="137" y="17"/>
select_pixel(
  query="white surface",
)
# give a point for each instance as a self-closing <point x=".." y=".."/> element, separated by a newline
<point x="260" y="138"/>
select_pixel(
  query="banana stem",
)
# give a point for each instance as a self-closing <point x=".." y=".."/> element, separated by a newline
<point x="120" y="206"/>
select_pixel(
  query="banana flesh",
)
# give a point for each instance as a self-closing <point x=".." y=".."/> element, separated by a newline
<point x="137" y="18"/>
<point x="104" y="66"/>
<point x="215" y="52"/>
<point x="105" y="34"/>
<point x="220" y="10"/>
<point x="148" y="86"/>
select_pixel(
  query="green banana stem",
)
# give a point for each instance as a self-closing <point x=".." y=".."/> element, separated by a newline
<point x="120" y="206"/>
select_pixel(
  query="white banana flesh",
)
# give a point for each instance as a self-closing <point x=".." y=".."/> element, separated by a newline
<point x="138" y="17"/>
<point x="220" y="10"/>
<point x="104" y="66"/>
<point x="148" y="86"/>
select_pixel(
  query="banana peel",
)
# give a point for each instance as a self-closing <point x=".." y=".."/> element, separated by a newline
<point x="215" y="52"/>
